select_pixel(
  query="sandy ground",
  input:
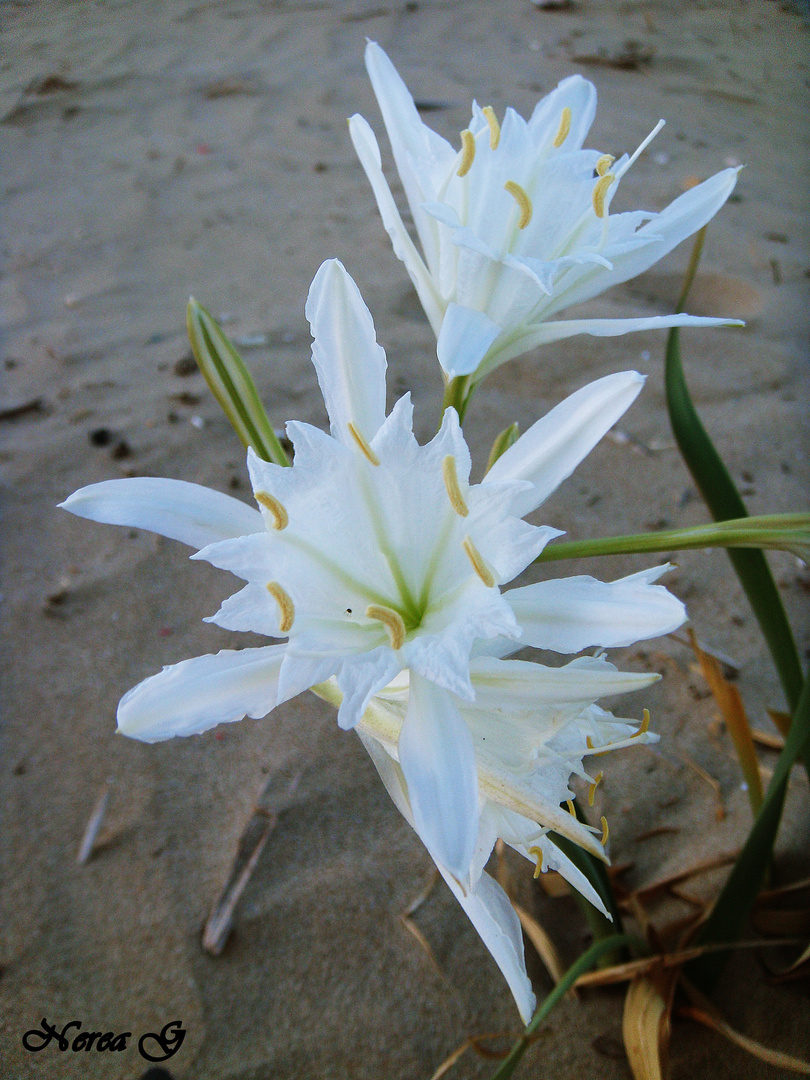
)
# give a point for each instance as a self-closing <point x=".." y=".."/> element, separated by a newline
<point x="154" y="150"/>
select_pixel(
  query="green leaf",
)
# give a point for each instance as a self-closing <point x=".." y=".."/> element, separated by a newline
<point x="589" y="959"/>
<point x="734" y="903"/>
<point x="784" y="532"/>
<point x="724" y="502"/>
<point x="232" y="384"/>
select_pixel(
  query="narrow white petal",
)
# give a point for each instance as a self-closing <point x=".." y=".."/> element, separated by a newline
<point x="349" y="362"/>
<point x="579" y="96"/>
<point x="438" y="761"/>
<point x="360" y="678"/>
<point x="575" y="613"/>
<point x="565" y="328"/>
<point x="553" y="447"/>
<point x="491" y="913"/>
<point x="464" y="339"/>
<point x="190" y="513"/>
<point x="365" y="144"/>
<point x="198" y="694"/>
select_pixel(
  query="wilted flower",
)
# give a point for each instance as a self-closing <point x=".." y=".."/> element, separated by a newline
<point x="515" y="226"/>
<point x="375" y="556"/>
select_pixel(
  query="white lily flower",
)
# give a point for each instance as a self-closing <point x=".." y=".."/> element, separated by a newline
<point x="374" y="556"/>
<point x="515" y="227"/>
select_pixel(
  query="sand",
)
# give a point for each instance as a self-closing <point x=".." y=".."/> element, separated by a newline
<point x="152" y="151"/>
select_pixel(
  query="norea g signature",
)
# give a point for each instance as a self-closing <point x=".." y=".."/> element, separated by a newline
<point x="152" y="1046"/>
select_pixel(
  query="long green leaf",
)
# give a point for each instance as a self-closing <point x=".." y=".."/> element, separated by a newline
<point x="232" y="384"/>
<point x="724" y="502"/>
<point x="585" y="962"/>
<point x="785" y="532"/>
<point x="734" y="903"/>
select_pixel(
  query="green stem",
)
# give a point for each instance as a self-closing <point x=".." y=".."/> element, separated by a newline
<point x="585" y="962"/>
<point x="458" y="393"/>
<point x="785" y="531"/>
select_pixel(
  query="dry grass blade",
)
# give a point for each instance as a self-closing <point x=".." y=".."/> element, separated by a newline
<point x="731" y="706"/>
<point x="94" y="823"/>
<point x="720" y="810"/>
<point x="412" y="928"/>
<point x="546" y="949"/>
<point x="797" y="970"/>
<point x="422" y="896"/>
<point x="782" y="720"/>
<point x="646" y="1023"/>
<point x="219" y="923"/>
<point x="633" y="968"/>
<point x="662" y="884"/>
<point x="705" y="1013"/>
<point x="766" y="739"/>
<point x="476" y="1043"/>
<point x="451" y="1059"/>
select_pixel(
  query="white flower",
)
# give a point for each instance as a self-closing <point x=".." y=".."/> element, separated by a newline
<point x="375" y="556"/>
<point x="515" y="226"/>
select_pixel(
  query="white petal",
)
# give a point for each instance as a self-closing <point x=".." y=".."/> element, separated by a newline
<point x="360" y="678"/>
<point x="368" y="152"/>
<point x="579" y="96"/>
<point x="438" y="761"/>
<point x="582" y="681"/>
<point x="198" y="694"/>
<point x="559" y="330"/>
<point x="553" y="447"/>
<point x="491" y="913"/>
<point x="349" y="362"/>
<point x="422" y="157"/>
<point x="688" y="213"/>
<point x="575" y="613"/>
<point x="252" y="609"/>
<point x="464" y="339"/>
<point x="190" y="513"/>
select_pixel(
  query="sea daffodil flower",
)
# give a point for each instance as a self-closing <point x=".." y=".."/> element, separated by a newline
<point x="373" y="556"/>
<point x="515" y="226"/>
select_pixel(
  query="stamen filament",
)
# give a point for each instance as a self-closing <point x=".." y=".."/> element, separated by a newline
<point x="523" y="201"/>
<point x="645" y="723"/>
<point x="450" y="477"/>
<point x="467" y="152"/>
<point x="494" y="126"/>
<point x="604" y="163"/>
<point x="599" y="193"/>
<point x="362" y="444"/>
<point x="593" y="787"/>
<point x="281" y="519"/>
<point x="605" y="830"/>
<point x="539" y="854"/>
<point x="478" y="564"/>
<point x="391" y="620"/>
<point x="564" y="128"/>
<point x="286" y="607"/>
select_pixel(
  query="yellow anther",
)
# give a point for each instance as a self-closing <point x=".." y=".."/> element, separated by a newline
<point x="467" y="152"/>
<point x="391" y="620"/>
<point x="604" y="163"/>
<point x="539" y="854"/>
<point x="564" y="128"/>
<point x="571" y="809"/>
<point x="361" y="442"/>
<point x="494" y="126"/>
<point x="593" y="787"/>
<point x="605" y="830"/>
<point x="599" y="193"/>
<point x="589" y="743"/>
<point x="523" y="201"/>
<point x="645" y="723"/>
<point x="281" y="519"/>
<point x="286" y="609"/>
<point x="450" y="477"/>
<point x="478" y="564"/>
